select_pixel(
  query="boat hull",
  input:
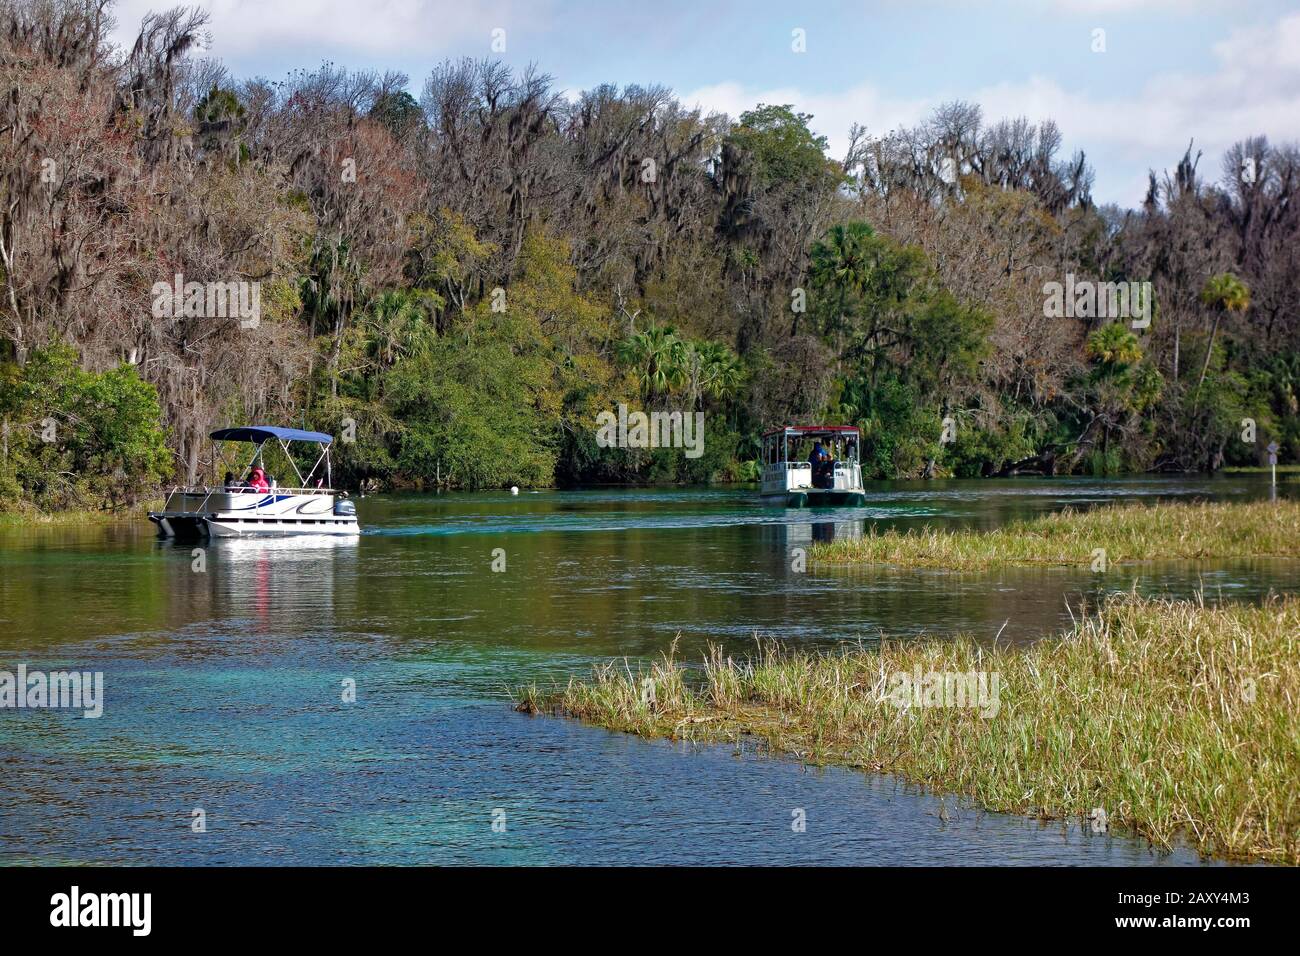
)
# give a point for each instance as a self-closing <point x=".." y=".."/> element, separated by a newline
<point x="192" y="527"/>
<point x="819" y="498"/>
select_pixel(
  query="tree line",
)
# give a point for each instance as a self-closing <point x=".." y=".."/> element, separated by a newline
<point x="458" y="282"/>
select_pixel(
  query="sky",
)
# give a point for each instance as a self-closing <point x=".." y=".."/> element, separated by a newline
<point x="1160" y="74"/>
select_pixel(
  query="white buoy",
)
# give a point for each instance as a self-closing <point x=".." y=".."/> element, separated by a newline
<point x="514" y="489"/>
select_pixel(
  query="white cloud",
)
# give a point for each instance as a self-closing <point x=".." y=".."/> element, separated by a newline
<point x="1254" y="88"/>
<point x="251" y="28"/>
<point x="1128" y="6"/>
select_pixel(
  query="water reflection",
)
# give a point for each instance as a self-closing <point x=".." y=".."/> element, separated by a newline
<point x="257" y="581"/>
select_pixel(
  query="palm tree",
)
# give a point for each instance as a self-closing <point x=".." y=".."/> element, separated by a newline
<point x="839" y="266"/>
<point x="659" y="357"/>
<point x="1223" y="293"/>
<point x="1119" y="385"/>
<point x="1114" y="348"/>
<point x="399" y="324"/>
<point x="714" y="370"/>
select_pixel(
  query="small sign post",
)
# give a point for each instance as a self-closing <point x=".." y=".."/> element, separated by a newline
<point x="1272" y="461"/>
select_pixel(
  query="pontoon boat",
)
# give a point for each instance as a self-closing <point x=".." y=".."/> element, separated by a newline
<point x="234" y="510"/>
<point x="795" y="473"/>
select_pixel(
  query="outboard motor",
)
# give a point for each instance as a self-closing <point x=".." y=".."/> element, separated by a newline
<point x="345" y="509"/>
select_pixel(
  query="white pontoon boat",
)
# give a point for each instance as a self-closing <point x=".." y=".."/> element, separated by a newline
<point x="235" y="509"/>
<point x="813" y="466"/>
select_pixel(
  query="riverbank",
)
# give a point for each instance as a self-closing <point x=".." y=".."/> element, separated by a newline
<point x="1126" y="533"/>
<point x="1176" y="720"/>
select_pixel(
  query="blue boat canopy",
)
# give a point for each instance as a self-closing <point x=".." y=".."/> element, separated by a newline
<point x="260" y="433"/>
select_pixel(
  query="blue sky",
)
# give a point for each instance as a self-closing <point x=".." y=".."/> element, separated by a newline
<point x="1172" y="70"/>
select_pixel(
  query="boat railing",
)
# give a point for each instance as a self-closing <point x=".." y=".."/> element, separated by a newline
<point x="198" y="499"/>
<point x="237" y="490"/>
<point x="840" y="466"/>
<point x="280" y="490"/>
<point x="787" y="474"/>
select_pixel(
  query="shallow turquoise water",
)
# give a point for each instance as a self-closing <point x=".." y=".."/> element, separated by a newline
<point x="223" y="687"/>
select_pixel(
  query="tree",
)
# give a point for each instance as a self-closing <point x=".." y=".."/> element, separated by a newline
<point x="220" y="119"/>
<point x="714" y="371"/>
<point x="1120" y="386"/>
<point x="781" y="146"/>
<point x="398" y="112"/>
<point x="1223" y="294"/>
<point x="839" y="265"/>
<point x="658" y="358"/>
<point x="74" y="438"/>
<point x="904" y="341"/>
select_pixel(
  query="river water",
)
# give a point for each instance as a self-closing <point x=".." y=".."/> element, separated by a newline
<point x="225" y="671"/>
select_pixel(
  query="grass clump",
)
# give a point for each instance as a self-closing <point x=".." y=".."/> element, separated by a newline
<point x="1127" y="533"/>
<point x="1175" y="718"/>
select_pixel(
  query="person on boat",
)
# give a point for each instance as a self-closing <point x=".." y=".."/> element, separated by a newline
<point x="257" y="481"/>
<point x="231" y="483"/>
<point x="821" y="466"/>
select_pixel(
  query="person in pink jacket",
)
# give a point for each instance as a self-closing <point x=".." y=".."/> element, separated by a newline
<point x="257" y="481"/>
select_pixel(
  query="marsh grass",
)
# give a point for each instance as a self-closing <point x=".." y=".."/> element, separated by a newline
<point x="1127" y="533"/>
<point x="32" y="517"/>
<point x="1177" y="719"/>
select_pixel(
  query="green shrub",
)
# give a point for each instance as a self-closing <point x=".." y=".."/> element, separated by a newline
<point x="78" y="439"/>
